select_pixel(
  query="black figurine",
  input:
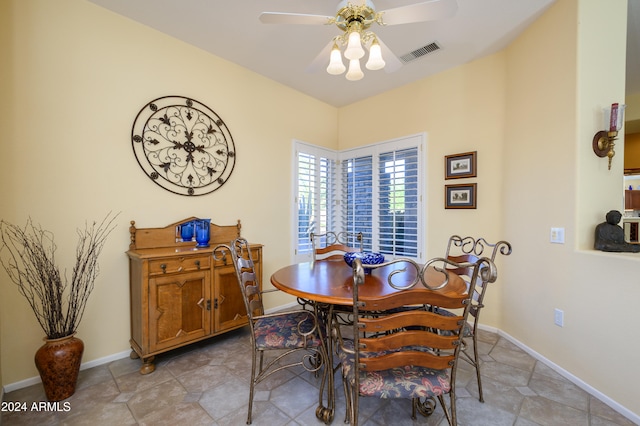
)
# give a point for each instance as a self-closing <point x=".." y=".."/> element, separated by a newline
<point x="610" y="236"/>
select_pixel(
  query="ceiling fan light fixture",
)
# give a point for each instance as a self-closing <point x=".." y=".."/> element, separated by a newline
<point x="336" y="66"/>
<point x="354" y="73"/>
<point x="354" y="18"/>
<point x="354" y="48"/>
<point x="375" y="61"/>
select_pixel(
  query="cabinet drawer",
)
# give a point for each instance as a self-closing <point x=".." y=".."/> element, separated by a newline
<point x="178" y="264"/>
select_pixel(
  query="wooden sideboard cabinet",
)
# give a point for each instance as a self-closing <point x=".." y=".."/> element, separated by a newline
<point x="179" y="294"/>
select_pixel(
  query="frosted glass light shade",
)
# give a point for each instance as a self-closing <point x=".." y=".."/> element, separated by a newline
<point x="354" y="48"/>
<point x="354" y="73"/>
<point x="336" y="66"/>
<point x="618" y="119"/>
<point x="375" y="61"/>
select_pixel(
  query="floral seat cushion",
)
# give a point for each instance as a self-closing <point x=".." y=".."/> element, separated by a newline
<point x="285" y="331"/>
<point x="400" y="382"/>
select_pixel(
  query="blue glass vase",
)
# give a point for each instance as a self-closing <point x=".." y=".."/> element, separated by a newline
<point x="186" y="231"/>
<point x="202" y="232"/>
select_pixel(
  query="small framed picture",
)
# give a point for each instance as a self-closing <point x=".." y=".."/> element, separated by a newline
<point x="461" y="196"/>
<point x="460" y="165"/>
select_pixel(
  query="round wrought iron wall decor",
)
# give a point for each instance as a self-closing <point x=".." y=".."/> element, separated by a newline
<point x="183" y="146"/>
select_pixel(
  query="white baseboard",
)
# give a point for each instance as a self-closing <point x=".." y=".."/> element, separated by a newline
<point x="567" y="375"/>
<point x="35" y="380"/>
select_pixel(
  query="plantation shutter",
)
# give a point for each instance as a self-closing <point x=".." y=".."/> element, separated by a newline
<point x="381" y="199"/>
<point x="398" y="202"/>
<point x="314" y="186"/>
<point x="357" y="198"/>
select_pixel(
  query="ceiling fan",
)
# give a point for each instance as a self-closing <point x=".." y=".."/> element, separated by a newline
<point x="354" y="18"/>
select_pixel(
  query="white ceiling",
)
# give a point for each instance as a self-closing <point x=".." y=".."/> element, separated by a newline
<point x="231" y="30"/>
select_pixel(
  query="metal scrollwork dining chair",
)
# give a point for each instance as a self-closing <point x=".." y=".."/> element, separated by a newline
<point x="469" y="249"/>
<point x="405" y="353"/>
<point x="283" y="334"/>
<point x="333" y="245"/>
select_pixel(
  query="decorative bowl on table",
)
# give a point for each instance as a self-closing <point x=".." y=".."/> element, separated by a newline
<point x="367" y="259"/>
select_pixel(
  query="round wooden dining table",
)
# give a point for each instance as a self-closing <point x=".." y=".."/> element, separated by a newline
<point x="331" y="281"/>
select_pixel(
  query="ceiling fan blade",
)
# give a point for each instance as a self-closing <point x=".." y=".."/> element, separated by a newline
<point x="322" y="60"/>
<point x="293" y="18"/>
<point x="420" y="12"/>
<point x="393" y="63"/>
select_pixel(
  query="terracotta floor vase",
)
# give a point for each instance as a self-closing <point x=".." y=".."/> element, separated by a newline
<point x="58" y="362"/>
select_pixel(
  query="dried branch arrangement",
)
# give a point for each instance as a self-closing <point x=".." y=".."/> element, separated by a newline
<point x="30" y="264"/>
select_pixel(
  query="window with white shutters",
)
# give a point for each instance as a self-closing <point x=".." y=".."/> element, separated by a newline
<point x="376" y="190"/>
<point x="314" y="186"/>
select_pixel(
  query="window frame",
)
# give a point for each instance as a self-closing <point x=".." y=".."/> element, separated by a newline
<point x="376" y="149"/>
<point x="318" y="152"/>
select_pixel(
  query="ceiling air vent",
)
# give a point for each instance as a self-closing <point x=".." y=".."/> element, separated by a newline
<point x="420" y="52"/>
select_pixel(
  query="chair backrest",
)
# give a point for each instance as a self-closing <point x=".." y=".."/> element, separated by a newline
<point x="466" y="273"/>
<point x="245" y="273"/>
<point x="476" y="247"/>
<point x="394" y="333"/>
<point x="469" y="250"/>
<point x="333" y="245"/>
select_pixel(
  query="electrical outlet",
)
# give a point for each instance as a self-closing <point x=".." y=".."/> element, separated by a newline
<point x="557" y="235"/>
<point x="558" y="317"/>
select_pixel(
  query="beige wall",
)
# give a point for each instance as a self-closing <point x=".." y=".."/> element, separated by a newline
<point x="460" y="110"/>
<point x="530" y="111"/>
<point x="79" y="75"/>
<point x="554" y="179"/>
<point x="632" y="151"/>
<point x="632" y="112"/>
<point x="632" y="132"/>
<point x="5" y="111"/>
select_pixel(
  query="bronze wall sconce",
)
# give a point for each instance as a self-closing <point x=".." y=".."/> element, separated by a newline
<point x="604" y="141"/>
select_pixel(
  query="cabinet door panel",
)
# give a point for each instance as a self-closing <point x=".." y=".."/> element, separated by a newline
<point x="180" y="313"/>
<point x="230" y="309"/>
<point x="632" y="199"/>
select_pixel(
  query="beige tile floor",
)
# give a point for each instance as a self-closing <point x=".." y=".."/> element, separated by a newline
<point x="207" y="384"/>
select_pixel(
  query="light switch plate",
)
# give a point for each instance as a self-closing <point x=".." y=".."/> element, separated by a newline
<point x="558" y="317"/>
<point x="557" y="235"/>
